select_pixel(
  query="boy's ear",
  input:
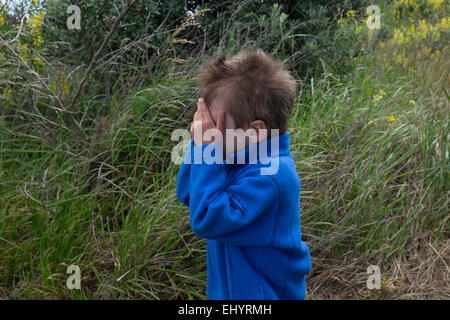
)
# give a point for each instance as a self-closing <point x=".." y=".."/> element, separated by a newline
<point x="260" y="127"/>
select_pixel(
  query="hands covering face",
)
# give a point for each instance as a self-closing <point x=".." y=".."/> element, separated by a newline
<point x="203" y="121"/>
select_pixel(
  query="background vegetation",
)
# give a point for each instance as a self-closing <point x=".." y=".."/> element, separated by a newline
<point x="86" y="117"/>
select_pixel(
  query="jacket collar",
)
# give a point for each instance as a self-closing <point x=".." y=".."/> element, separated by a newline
<point x="271" y="147"/>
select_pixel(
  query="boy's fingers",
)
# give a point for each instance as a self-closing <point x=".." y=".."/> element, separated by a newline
<point x="201" y="107"/>
<point x="198" y="112"/>
<point x="220" y="124"/>
<point x="205" y="111"/>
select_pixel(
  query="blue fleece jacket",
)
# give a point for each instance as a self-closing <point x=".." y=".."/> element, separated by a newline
<point x="251" y="221"/>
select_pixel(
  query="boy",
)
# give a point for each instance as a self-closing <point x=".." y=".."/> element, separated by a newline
<point x="251" y="220"/>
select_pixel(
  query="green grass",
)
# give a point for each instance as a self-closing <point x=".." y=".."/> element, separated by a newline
<point x="368" y="180"/>
<point x="373" y="191"/>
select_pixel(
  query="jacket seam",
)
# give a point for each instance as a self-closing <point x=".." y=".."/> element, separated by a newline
<point x="289" y="258"/>
<point x="275" y="227"/>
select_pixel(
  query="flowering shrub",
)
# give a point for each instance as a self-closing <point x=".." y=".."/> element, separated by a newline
<point x="3" y="15"/>
<point x="31" y="40"/>
<point x="423" y="25"/>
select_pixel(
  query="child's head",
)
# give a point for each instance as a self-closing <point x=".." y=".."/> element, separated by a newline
<point x="252" y="87"/>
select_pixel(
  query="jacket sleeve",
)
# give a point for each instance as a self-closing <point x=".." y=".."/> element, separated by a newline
<point x="243" y="213"/>
<point x="184" y="175"/>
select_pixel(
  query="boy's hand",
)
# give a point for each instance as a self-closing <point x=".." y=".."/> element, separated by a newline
<point x="204" y="121"/>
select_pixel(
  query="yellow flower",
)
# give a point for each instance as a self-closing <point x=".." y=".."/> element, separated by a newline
<point x="412" y="102"/>
<point x="351" y="14"/>
<point x="35" y="23"/>
<point x="377" y="97"/>
<point x="391" y="118"/>
<point x="435" y="3"/>
<point x="66" y="90"/>
<point x="37" y="61"/>
<point x="8" y="96"/>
